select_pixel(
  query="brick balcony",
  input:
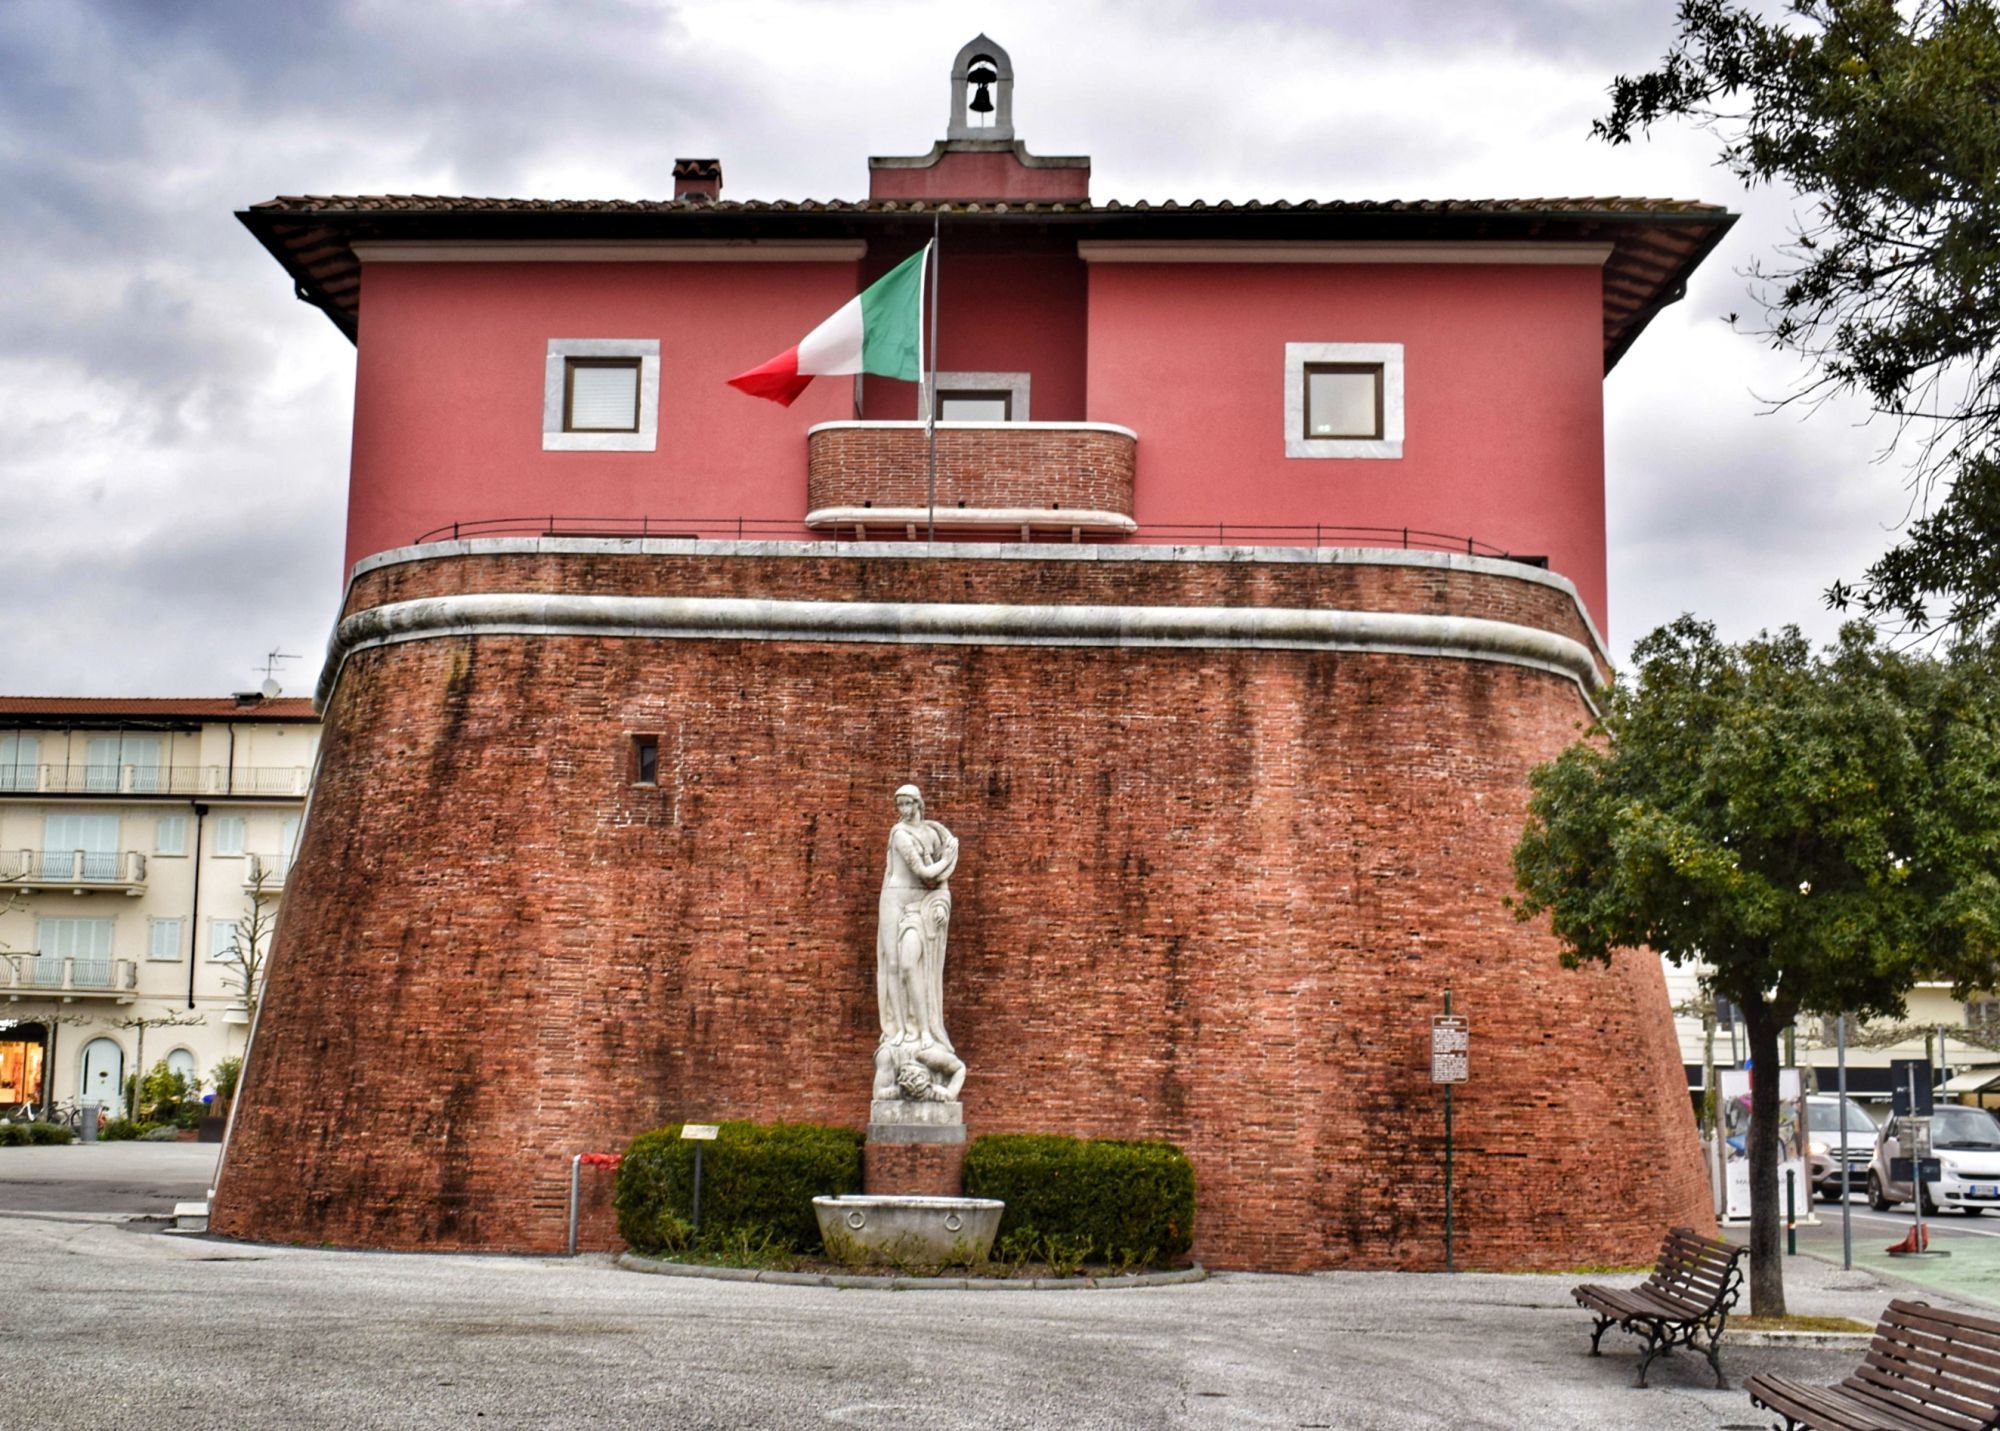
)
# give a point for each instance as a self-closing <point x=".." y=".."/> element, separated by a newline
<point x="1056" y="478"/>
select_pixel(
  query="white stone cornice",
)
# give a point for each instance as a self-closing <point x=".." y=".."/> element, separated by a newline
<point x="941" y="623"/>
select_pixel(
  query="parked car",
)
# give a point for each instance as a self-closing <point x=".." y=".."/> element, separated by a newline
<point x="1966" y="1143"/>
<point x="1825" y="1146"/>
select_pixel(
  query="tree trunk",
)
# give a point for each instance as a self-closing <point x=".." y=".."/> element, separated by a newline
<point x="1767" y="1267"/>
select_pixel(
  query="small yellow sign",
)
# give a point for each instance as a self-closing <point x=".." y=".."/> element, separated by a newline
<point x="705" y="1132"/>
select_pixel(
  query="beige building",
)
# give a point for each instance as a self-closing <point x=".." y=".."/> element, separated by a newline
<point x="1958" y="1038"/>
<point x="134" y="838"/>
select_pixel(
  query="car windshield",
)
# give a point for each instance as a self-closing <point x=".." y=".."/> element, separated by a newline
<point x="1964" y="1128"/>
<point x="1825" y="1118"/>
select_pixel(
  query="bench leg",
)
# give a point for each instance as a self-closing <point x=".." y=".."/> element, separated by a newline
<point x="1603" y="1324"/>
<point x="1655" y="1346"/>
<point x="1714" y="1354"/>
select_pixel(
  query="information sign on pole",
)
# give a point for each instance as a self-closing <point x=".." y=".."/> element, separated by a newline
<point x="704" y="1131"/>
<point x="1449" y="1048"/>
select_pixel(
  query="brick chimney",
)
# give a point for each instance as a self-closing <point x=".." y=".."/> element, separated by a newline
<point x="697" y="178"/>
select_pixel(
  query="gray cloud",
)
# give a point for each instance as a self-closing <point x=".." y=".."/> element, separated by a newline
<point x="178" y="424"/>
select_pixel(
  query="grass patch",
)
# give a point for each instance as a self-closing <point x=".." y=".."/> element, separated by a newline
<point x="1800" y="1324"/>
<point x="1596" y="1269"/>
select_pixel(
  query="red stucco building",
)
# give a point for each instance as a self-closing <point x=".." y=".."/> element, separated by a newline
<point x="1269" y="557"/>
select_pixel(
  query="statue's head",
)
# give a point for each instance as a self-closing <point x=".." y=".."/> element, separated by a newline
<point x="909" y="798"/>
<point x="913" y="1078"/>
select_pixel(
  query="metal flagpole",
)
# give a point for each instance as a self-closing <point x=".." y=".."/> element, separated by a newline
<point x="930" y="406"/>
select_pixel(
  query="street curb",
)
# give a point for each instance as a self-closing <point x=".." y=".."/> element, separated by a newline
<point x="1795" y="1339"/>
<point x="633" y="1262"/>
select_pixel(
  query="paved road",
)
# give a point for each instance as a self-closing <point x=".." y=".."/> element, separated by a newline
<point x="121" y="1325"/>
<point x="163" y="1332"/>
<point x="105" y="1177"/>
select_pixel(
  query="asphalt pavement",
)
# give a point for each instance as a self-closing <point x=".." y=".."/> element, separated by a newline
<point x="112" y="1323"/>
<point x="133" y="1178"/>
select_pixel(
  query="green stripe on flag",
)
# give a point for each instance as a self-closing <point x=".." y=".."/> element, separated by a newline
<point x="891" y="310"/>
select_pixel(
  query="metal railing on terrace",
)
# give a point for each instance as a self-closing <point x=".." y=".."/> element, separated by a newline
<point x="69" y="975"/>
<point x="1155" y="534"/>
<point x="73" y="869"/>
<point x="153" y="780"/>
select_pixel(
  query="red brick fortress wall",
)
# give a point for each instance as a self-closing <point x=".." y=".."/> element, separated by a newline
<point x="1208" y="893"/>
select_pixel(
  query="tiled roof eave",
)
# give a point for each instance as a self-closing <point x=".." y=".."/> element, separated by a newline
<point x="1656" y="242"/>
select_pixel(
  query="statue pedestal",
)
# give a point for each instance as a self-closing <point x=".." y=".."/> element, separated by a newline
<point x="914" y="1148"/>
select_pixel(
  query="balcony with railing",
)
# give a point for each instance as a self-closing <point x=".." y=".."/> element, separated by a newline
<point x="78" y="871"/>
<point x="266" y="872"/>
<point x="27" y="976"/>
<point x="51" y="779"/>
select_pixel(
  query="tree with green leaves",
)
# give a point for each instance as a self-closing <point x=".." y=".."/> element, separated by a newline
<point x="1885" y="117"/>
<point x="1817" y="831"/>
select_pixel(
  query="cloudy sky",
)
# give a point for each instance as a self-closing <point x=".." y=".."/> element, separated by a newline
<point x="174" y="425"/>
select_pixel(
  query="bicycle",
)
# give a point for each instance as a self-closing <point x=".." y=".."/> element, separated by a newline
<point x="29" y="1112"/>
<point x="64" y="1115"/>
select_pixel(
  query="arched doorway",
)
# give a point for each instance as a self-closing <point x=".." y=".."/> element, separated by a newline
<point x="103" y="1079"/>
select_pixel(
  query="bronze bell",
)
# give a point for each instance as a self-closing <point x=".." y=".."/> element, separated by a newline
<point x="981" y="77"/>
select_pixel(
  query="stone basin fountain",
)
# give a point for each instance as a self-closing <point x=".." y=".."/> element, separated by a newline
<point x="909" y="1230"/>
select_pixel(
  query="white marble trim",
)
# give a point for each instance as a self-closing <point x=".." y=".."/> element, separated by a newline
<point x="982" y="551"/>
<point x="953" y="624"/>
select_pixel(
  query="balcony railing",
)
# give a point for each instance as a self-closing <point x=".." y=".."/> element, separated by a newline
<point x="153" y="780"/>
<point x="75" y="870"/>
<point x="270" y="867"/>
<point x="1178" y="534"/>
<point x="27" y="975"/>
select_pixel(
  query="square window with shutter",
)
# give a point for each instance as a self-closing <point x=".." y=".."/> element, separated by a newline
<point x="164" y="941"/>
<point x="602" y="395"/>
<point x="1344" y="400"/>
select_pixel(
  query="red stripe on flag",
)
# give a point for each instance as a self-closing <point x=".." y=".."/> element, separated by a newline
<point x="779" y="380"/>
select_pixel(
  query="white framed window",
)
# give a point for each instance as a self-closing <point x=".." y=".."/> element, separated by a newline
<point x="221" y="938"/>
<point x="601" y="395"/>
<point x="170" y="835"/>
<point x="164" y="938"/>
<point x="980" y="397"/>
<point x="228" y="836"/>
<point x="20" y="762"/>
<point x="1344" y="400"/>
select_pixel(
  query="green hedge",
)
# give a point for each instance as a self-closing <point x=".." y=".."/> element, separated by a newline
<point x="124" y="1130"/>
<point x="758" y="1180"/>
<point x="18" y="1133"/>
<point x="1125" y="1200"/>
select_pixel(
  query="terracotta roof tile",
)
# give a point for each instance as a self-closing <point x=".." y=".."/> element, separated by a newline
<point x="466" y="204"/>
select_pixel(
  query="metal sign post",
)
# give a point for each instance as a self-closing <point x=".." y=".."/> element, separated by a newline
<point x="1449" y="1052"/>
<point x="1846" y="1201"/>
<point x="1914" y="1161"/>
<point x="697" y="1133"/>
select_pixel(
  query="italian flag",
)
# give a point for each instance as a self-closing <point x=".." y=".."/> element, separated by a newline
<point x="880" y="332"/>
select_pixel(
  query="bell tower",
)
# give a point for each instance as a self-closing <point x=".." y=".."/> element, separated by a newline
<point x="982" y="68"/>
<point x="979" y="160"/>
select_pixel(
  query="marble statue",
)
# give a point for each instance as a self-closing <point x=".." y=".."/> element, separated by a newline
<point x="914" y="1059"/>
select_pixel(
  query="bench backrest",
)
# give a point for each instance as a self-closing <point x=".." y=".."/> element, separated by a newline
<point x="1701" y="1273"/>
<point x="1926" y="1356"/>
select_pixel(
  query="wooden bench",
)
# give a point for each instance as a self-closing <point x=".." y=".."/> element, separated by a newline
<point x="1926" y="1369"/>
<point x="1693" y="1286"/>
